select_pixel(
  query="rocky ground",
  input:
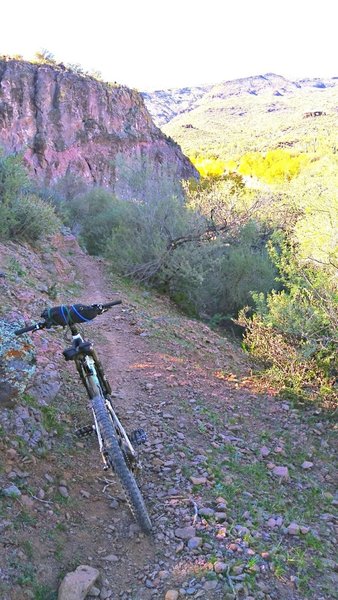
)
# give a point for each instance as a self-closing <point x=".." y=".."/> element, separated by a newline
<point x="239" y="483"/>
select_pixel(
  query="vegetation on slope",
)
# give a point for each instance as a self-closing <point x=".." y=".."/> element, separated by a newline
<point x="254" y="241"/>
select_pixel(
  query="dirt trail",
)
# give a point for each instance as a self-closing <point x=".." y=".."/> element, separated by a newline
<point x="220" y="515"/>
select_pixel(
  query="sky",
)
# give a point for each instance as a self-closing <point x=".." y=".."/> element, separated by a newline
<point x="156" y="44"/>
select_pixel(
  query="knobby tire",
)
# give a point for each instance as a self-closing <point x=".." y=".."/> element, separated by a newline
<point x="117" y="461"/>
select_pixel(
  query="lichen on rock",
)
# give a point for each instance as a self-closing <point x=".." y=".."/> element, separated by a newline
<point x="17" y="363"/>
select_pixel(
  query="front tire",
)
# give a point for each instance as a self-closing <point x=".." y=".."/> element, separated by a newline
<point x="117" y="461"/>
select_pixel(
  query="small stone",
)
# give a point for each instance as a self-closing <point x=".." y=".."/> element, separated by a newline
<point x="163" y="574"/>
<point x="171" y="595"/>
<point x="198" y="480"/>
<point x="237" y="569"/>
<point x="293" y="529"/>
<point x="264" y="451"/>
<point x="271" y="523"/>
<point x="220" y="516"/>
<point x="233" y="547"/>
<point x="194" y="542"/>
<point x="94" y="592"/>
<point x="242" y="530"/>
<point x="185" y="533"/>
<point x="220" y="567"/>
<point x="221" y="533"/>
<point x="220" y="500"/>
<point x="12" y="491"/>
<point x="210" y="585"/>
<point x="304" y="530"/>
<point x="63" y="491"/>
<point x="85" y="494"/>
<point x="111" y="558"/>
<point x="105" y="593"/>
<point x="206" y="512"/>
<point x="307" y="465"/>
<point x="12" y="453"/>
<point x="27" y="501"/>
<point x="282" y="472"/>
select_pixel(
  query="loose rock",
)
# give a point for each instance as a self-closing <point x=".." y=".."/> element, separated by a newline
<point x="171" y="595"/>
<point x="76" y="585"/>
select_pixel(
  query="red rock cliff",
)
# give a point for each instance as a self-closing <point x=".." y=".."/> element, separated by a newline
<point x="66" y="123"/>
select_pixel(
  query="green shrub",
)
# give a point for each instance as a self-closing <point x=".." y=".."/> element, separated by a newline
<point x="22" y="214"/>
<point x="219" y="276"/>
<point x="294" y="330"/>
<point x="32" y="219"/>
<point x="93" y="214"/>
<point x="141" y="242"/>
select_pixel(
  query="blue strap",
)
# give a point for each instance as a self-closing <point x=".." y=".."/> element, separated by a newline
<point x="63" y="314"/>
<point x="79" y="315"/>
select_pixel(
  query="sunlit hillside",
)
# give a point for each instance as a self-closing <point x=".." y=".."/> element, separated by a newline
<point x="257" y="113"/>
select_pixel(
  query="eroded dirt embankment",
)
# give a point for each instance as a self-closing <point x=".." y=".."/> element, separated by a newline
<point x="239" y="484"/>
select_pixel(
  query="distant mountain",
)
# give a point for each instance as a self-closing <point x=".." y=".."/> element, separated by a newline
<point x="249" y="114"/>
<point x="165" y="105"/>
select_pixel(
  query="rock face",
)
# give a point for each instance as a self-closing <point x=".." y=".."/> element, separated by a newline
<point x="66" y="124"/>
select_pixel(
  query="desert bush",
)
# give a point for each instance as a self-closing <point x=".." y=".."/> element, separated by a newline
<point x="94" y="215"/>
<point x="183" y="253"/>
<point x="13" y="177"/>
<point x="22" y="214"/>
<point x="294" y="330"/>
<point x="32" y="219"/>
<point x="274" y="166"/>
<point x="143" y="240"/>
<point x="219" y="276"/>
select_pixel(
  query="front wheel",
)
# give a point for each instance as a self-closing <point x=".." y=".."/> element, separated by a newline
<point x="117" y="461"/>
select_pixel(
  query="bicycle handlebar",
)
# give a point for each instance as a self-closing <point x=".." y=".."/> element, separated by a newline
<point x="34" y="327"/>
<point x="68" y="315"/>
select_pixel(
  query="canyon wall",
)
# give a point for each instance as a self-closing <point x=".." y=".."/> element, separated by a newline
<point x="69" y="124"/>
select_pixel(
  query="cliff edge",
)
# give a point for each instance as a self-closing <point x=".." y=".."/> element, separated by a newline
<point x="67" y="123"/>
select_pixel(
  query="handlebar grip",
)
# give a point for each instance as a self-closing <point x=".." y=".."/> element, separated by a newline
<point x="110" y="304"/>
<point x="30" y="328"/>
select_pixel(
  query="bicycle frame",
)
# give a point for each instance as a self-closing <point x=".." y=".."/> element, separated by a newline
<point x="115" y="446"/>
<point x="93" y="378"/>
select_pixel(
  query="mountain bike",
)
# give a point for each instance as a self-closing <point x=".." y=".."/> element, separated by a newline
<point x="117" y="448"/>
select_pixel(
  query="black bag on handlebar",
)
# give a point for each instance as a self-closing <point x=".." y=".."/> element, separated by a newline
<point x="68" y="315"/>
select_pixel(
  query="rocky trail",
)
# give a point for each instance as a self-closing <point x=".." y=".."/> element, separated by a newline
<point x="239" y="483"/>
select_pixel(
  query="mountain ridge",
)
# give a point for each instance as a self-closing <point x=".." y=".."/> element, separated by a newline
<point x="165" y="105"/>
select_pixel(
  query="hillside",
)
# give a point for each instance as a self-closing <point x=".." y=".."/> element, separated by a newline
<point x="254" y="113"/>
<point x="240" y="485"/>
<point x="69" y="125"/>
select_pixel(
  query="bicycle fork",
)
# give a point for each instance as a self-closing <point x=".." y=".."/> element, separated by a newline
<point x="100" y="440"/>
